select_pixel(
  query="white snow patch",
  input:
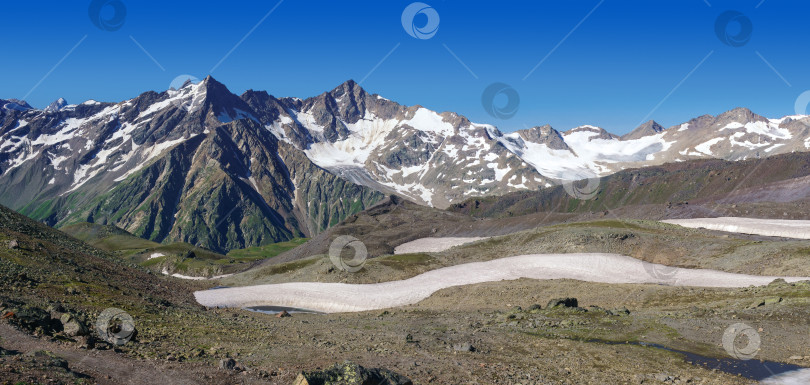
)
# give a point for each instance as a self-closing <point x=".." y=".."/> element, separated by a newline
<point x="429" y="121"/>
<point x="768" y="227"/>
<point x="705" y="147"/>
<point x="794" y="377"/>
<point x="368" y="134"/>
<point x="341" y="297"/>
<point x="775" y="146"/>
<point x="156" y="255"/>
<point x="181" y="276"/>
<point x="434" y="245"/>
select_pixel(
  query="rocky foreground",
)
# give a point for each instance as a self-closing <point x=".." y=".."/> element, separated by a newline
<point x="54" y="289"/>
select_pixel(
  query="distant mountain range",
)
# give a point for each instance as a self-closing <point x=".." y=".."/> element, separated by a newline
<point x="205" y="166"/>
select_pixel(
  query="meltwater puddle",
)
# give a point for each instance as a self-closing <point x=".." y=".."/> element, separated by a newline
<point x="750" y="369"/>
<point x="279" y="309"/>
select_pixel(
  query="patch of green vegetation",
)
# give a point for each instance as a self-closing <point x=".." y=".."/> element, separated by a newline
<point x="183" y="248"/>
<point x="266" y="251"/>
<point x="123" y="242"/>
<point x="610" y="223"/>
<point x="43" y="211"/>
<point x="153" y="261"/>
<point x="404" y="261"/>
<point x="288" y="267"/>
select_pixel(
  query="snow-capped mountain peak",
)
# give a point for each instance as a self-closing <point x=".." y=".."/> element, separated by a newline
<point x="430" y="157"/>
<point x="56" y="105"/>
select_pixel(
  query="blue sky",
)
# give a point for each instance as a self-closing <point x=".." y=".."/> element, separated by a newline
<point x="620" y="63"/>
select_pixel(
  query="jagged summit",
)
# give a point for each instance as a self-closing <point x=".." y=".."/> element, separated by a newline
<point x="740" y="115"/>
<point x="600" y="132"/>
<point x="56" y="105"/>
<point x="651" y="127"/>
<point x="15" y="104"/>
<point x="170" y="166"/>
<point x="543" y="135"/>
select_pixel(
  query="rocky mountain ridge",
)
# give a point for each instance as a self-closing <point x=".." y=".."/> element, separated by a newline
<point x="202" y="165"/>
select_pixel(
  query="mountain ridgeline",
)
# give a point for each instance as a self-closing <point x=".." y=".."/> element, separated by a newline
<point x="202" y="165"/>
<point x="173" y="166"/>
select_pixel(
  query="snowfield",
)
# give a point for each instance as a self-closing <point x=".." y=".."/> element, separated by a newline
<point x="433" y="245"/>
<point x="769" y="227"/>
<point x="796" y="377"/>
<point x="341" y="297"/>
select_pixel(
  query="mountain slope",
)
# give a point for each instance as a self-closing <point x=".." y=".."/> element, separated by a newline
<point x="425" y="156"/>
<point x="189" y="165"/>
<point x="693" y="188"/>
<point x="438" y="159"/>
<point x="205" y="166"/>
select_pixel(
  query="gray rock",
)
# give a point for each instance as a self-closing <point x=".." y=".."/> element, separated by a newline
<point x="619" y="311"/>
<point x="72" y="326"/>
<point x="562" y="302"/>
<point x="464" y="347"/>
<point x="349" y="373"/>
<point x="227" y="364"/>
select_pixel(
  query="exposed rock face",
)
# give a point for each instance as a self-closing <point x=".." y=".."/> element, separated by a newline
<point x="349" y="373"/>
<point x="222" y="171"/>
<point x="192" y="165"/>
<point x="422" y="155"/>
<point x="646" y="129"/>
<point x="544" y="135"/>
<point x="57" y="105"/>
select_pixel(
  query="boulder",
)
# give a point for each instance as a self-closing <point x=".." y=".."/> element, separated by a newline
<point x="33" y="319"/>
<point x="227" y="364"/>
<point x="349" y="373"/>
<point x="562" y="302"/>
<point x="283" y="314"/>
<point x="764" y="302"/>
<point x="619" y="311"/>
<point x="464" y="347"/>
<point x="72" y="326"/>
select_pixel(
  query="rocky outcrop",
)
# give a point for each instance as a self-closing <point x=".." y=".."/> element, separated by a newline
<point x="349" y="373"/>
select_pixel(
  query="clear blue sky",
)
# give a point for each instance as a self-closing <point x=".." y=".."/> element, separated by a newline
<point x="612" y="71"/>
